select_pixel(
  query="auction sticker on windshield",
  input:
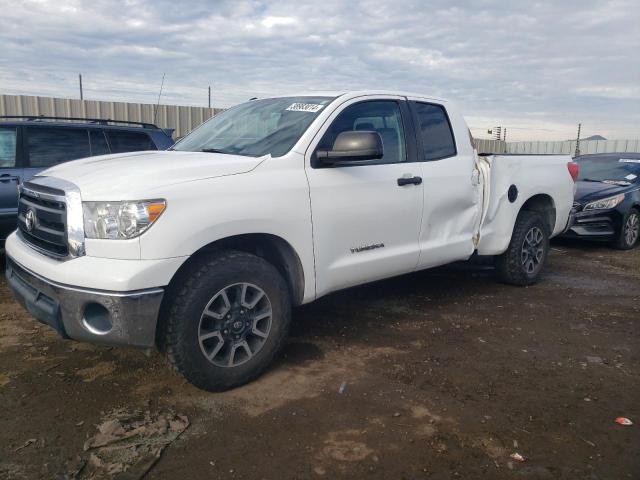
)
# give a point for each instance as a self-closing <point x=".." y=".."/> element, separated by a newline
<point x="304" y="107"/>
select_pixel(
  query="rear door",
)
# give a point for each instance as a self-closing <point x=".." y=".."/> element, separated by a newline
<point x="452" y="192"/>
<point x="10" y="177"/>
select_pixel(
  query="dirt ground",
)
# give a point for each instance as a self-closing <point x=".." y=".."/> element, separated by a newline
<point x="437" y="375"/>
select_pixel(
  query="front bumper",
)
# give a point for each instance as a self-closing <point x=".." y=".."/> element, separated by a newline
<point x="570" y="221"/>
<point x="98" y="316"/>
<point x="596" y="225"/>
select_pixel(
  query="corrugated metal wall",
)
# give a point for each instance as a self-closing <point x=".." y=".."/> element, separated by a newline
<point x="182" y="118"/>
<point x="490" y="146"/>
<point x="564" y="148"/>
<point x="569" y="147"/>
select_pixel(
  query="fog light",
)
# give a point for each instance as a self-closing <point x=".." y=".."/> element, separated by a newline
<point x="96" y="319"/>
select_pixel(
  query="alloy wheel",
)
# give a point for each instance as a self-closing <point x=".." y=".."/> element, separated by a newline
<point x="632" y="229"/>
<point x="532" y="250"/>
<point x="235" y="324"/>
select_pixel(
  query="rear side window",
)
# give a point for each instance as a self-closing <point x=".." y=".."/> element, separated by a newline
<point x="49" y="146"/>
<point x="122" y="142"/>
<point x="435" y="131"/>
<point x="98" y="143"/>
<point x="8" y="147"/>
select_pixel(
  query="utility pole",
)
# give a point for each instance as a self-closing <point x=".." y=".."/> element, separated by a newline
<point x="80" y="79"/>
<point x="209" y="96"/>
<point x="578" y="141"/>
<point x="504" y="135"/>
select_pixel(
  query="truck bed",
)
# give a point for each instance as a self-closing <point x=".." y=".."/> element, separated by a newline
<point x="542" y="182"/>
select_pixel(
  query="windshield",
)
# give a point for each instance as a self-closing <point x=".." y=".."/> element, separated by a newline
<point x="256" y="128"/>
<point x="618" y="170"/>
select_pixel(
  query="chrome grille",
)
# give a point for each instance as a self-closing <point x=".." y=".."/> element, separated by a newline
<point x="42" y="219"/>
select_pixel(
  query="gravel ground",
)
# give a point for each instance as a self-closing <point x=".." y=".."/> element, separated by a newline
<point x="442" y="374"/>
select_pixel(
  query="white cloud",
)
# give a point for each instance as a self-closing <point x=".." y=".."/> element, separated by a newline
<point x="271" y="22"/>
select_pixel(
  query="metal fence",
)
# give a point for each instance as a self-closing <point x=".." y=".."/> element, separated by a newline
<point x="181" y="118"/>
<point x="490" y="146"/>
<point x="565" y="148"/>
<point x="569" y="147"/>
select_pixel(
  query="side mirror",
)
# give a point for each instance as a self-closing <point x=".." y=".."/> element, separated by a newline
<point x="353" y="146"/>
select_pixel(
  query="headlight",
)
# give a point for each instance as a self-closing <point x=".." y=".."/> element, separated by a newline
<point x="120" y="220"/>
<point x="605" y="203"/>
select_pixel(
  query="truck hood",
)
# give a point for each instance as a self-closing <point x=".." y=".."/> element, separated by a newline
<point x="129" y="175"/>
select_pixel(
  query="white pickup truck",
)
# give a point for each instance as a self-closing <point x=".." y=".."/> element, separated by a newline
<point x="203" y="250"/>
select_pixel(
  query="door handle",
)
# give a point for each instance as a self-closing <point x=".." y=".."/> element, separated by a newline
<point x="9" y="178"/>
<point x="402" y="181"/>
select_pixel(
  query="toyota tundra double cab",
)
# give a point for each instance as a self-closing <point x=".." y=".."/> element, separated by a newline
<point x="203" y="250"/>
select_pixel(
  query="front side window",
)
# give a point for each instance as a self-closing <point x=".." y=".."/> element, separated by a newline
<point x="434" y="131"/>
<point x="49" y="146"/>
<point x="256" y="128"/>
<point x="382" y="116"/>
<point x="8" y="147"/>
<point x="124" y="141"/>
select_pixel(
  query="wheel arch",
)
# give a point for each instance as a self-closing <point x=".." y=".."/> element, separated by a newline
<point x="272" y="248"/>
<point x="544" y="205"/>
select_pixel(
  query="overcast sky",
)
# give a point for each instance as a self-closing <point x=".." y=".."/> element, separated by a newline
<point x="537" y="68"/>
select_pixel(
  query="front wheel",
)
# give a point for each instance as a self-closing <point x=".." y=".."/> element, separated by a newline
<point x="227" y="321"/>
<point x="525" y="257"/>
<point x="630" y="231"/>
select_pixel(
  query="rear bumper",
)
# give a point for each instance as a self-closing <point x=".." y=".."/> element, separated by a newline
<point x="98" y="316"/>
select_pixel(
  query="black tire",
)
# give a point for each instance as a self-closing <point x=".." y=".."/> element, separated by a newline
<point x="623" y="241"/>
<point x="180" y="329"/>
<point x="513" y="266"/>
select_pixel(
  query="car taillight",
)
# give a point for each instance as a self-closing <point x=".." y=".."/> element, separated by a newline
<point x="574" y="169"/>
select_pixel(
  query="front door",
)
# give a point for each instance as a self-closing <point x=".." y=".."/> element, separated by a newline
<point x="365" y="225"/>
<point x="10" y="177"/>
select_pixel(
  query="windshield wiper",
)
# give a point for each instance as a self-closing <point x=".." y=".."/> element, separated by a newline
<point x="589" y="180"/>
<point x="215" y="150"/>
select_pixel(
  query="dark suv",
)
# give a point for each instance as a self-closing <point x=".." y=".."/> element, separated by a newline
<point x="29" y="145"/>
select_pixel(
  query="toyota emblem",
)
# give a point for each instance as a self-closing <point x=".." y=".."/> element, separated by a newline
<point x="30" y="220"/>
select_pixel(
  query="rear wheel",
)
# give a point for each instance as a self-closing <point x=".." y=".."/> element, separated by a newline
<point x="227" y="322"/>
<point x="526" y="255"/>
<point x="630" y="231"/>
